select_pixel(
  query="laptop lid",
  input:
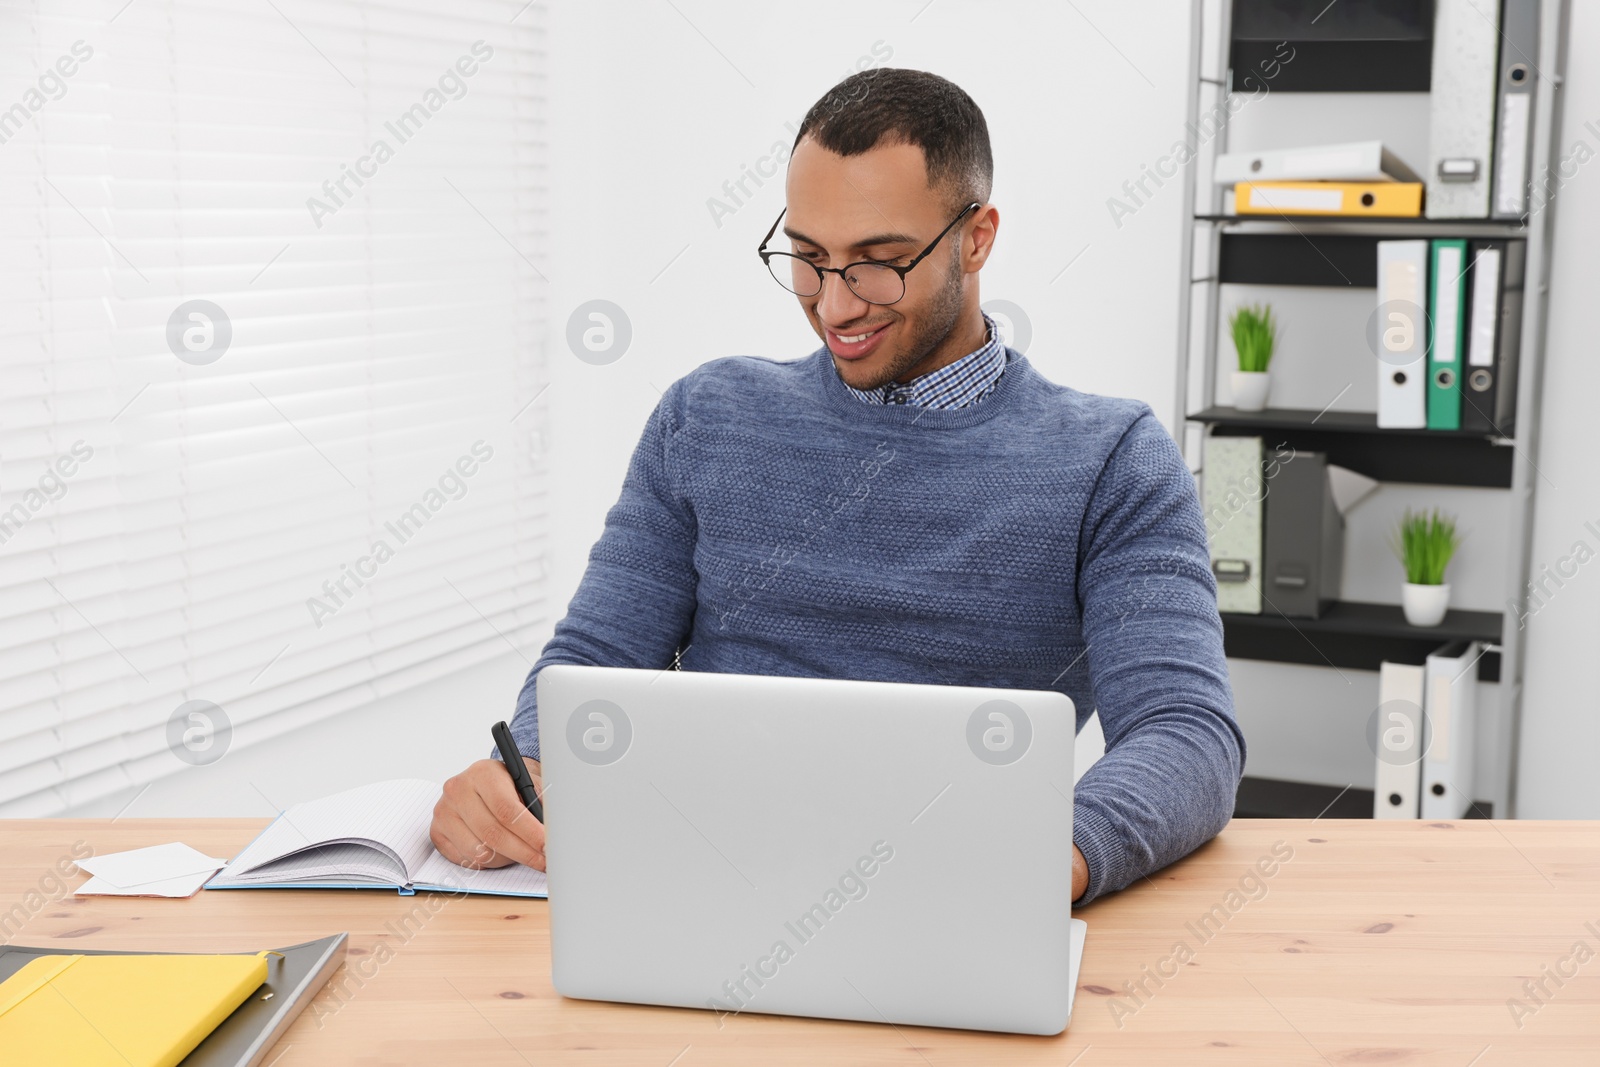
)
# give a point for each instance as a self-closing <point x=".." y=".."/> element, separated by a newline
<point x="874" y="851"/>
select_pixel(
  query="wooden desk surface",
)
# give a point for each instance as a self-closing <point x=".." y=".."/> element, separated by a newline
<point x="1372" y="943"/>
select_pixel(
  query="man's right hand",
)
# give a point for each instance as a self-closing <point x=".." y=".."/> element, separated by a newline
<point x="480" y="820"/>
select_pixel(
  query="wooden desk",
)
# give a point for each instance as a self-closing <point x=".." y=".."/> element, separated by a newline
<point x="1374" y="943"/>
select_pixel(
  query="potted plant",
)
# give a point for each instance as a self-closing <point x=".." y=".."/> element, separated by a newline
<point x="1254" y="336"/>
<point x="1425" y="544"/>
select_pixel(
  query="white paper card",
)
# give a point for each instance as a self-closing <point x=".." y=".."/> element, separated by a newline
<point x="155" y="863"/>
<point x="185" y="885"/>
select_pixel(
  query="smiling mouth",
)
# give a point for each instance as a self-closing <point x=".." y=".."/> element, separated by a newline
<point x="857" y="345"/>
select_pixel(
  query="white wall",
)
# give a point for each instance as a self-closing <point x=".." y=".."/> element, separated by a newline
<point x="655" y="106"/>
<point x="1561" y="700"/>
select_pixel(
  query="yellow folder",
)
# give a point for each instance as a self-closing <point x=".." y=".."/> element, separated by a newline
<point x="1390" y="199"/>
<point x="147" y="1011"/>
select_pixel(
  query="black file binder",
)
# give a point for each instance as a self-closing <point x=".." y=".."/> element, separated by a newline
<point x="1494" y="337"/>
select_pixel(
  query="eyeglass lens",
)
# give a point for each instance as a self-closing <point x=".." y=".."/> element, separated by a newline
<point x="874" y="284"/>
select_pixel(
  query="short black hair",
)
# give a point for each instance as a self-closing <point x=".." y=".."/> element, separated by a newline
<point x="899" y="106"/>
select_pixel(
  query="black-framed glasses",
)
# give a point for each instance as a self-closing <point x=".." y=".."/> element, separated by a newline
<point x="876" y="283"/>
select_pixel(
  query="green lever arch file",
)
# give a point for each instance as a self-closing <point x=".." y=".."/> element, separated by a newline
<point x="1447" y="308"/>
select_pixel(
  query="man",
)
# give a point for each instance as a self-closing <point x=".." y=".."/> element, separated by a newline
<point x="911" y="502"/>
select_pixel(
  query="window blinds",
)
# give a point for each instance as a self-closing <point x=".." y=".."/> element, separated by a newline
<point x="271" y="327"/>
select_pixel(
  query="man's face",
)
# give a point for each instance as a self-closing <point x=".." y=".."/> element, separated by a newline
<point x="841" y="209"/>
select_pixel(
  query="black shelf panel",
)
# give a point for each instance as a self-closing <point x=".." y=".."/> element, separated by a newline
<point x="1310" y="46"/>
<point x="1325" y="259"/>
<point x="1306" y="419"/>
<point x="1333" y="66"/>
<point x="1319" y="259"/>
<point x="1352" y="439"/>
<point x="1357" y="635"/>
<point x="1504" y="227"/>
<point x="1275" y="798"/>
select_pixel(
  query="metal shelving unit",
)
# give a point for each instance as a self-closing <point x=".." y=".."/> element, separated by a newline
<point x="1218" y="248"/>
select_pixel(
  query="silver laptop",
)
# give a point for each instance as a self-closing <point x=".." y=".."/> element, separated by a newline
<point x="851" y="850"/>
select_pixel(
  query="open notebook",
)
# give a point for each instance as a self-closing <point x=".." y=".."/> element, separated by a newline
<point x="373" y="836"/>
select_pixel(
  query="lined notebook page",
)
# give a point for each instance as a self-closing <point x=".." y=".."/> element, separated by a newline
<point x="395" y="814"/>
<point x="373" y="833"/>
<point x="325" y="863"/>
<point x="523" y="881"/>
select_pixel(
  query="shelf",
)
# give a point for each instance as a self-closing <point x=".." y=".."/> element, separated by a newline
<point x="1353" y="440"/>
<point x="1364" y="46"/>
<point x="1273" y="798"/>
<point x="1243" y="48"/>
<point x="1326" y="259"/>
<point x="1323" y="66"/>
<point x="1291" y="258"/>
<point x="1357" y="635"/>
<point x="1305" y="418"/>
<point x="1505" y="227"/>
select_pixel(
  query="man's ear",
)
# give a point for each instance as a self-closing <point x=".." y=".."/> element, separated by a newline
<point x="984" y="231"/>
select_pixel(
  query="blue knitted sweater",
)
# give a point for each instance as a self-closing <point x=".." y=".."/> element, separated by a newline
<point x="1042" y="538"/>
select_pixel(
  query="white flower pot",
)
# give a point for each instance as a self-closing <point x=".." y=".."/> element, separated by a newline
<point x="1250" y="389"/>
<point x="1425" y="605"/>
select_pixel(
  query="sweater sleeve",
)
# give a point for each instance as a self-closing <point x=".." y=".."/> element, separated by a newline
<point x="635" y="603"/>
<point x="1153" y="639"/>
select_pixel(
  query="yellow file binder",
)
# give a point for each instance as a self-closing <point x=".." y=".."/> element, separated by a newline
<point x="1390" y="199"/>
<point x="148" y="1011"/>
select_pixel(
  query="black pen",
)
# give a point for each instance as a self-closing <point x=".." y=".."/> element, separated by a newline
<point x="512" y="758"/>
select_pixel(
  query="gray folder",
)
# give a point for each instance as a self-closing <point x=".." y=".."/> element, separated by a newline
<point x="245" y="1037"/>
<point x="1513" y="150"/>
<point x="1466" y="52"/>
<point x="1231" y="488"/>
<point x="1303" y="555"/>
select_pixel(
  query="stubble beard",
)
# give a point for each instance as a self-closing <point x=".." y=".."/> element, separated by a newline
<point x="942" y="315"/>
